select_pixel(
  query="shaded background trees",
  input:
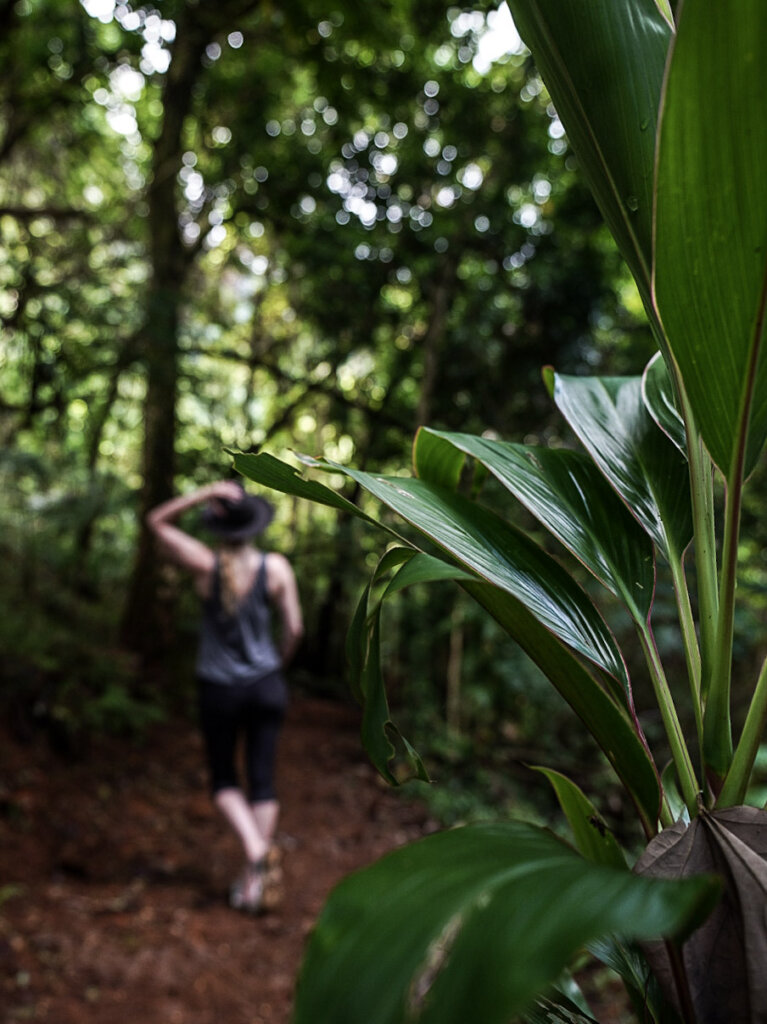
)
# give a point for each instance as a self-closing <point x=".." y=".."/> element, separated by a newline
<point x="302" y="225"/>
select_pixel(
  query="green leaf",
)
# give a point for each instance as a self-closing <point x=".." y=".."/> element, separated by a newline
<point x="478" y="538"/>
<point x="620" y="739"/>
<point x="666" y="7"/>
<point x="676" y="804"/>
<point x="363" y="647"/>
<point x="422" y="568"/>
<point x="593" y="839"/>
<point x="648" y="472"/>
<point x="557" y="1008"/>
<point x="265" y="469"/>
<point x="357" y="636"/>
<point x="603" y="64"/>
<point x="377" y="724"/>
<point x="570" y="497"/>
<point x="711" y="232"/>
<point x="473" y="924"/>
<point x="357" y="639"/>
<point x="629" y="963"/>
<point x="444" y="461"/>
<point x="495" y="551"/>
<point x="659" y="397"/>
<point x="376" y="719"/>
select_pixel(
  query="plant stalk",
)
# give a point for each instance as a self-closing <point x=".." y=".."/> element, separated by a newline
<point x="699" y="665"/>
<point x="679" y="752"/>
<point x="717" y="727"/>
<point x="736" y="783"/>
<point x="702" y="498"/>
<point x="702" y="502"/>
<point x="689" y="640"/>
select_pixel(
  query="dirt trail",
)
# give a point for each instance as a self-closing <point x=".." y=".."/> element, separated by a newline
<point x="114" y="869"/>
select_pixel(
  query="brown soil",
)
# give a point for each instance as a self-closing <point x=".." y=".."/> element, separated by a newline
<point x="114" y="869"/>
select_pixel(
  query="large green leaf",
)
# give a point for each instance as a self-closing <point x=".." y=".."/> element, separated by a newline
<point x="271" y="472"/>
<point x="565" y="491"/>
<point x="710" y="273"/>
<point x="603" y="63"/>
<point x="479" y="540"/>
<point x="609" y="416"/>
<point x="363" y="648"/>
<point x="378" y="729"/>
<point x="473" y="924"/>
<point x="619" y="738"/>
<point x="502" y="555"/>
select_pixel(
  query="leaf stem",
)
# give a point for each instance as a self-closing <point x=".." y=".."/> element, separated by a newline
<point x="736" y="783"/>
<point x="704" y="534"/>
<point x="702" y="495"/>
<point x="717" y="728"/>
<point x="689" y="639"/>
<point x="679" y="752"/>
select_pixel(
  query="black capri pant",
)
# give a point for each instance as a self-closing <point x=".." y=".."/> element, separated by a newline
<point x="257" y="711"/>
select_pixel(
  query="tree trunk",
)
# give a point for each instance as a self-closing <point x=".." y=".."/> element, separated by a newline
<point x="96" y="426"/>
<point x="433" y="339"/>
<point x="148" y="613"/>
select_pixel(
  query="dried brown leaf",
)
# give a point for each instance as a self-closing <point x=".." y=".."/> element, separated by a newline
<point x="725" y="959"/>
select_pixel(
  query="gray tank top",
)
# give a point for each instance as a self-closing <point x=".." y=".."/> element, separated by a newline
<point x="237" y="648"/>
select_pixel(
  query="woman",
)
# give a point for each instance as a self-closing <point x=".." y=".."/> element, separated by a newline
<point x="239" y="666"/>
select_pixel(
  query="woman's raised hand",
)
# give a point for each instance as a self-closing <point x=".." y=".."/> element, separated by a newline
<point x="230" y="490"/>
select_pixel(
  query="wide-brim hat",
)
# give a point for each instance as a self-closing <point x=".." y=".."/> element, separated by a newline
<point x="237" y="520"/>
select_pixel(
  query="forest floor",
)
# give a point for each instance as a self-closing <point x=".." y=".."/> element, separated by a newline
<point x="114" y="869"/>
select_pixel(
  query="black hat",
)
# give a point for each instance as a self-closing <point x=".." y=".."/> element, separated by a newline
<point x="237" y="520"/>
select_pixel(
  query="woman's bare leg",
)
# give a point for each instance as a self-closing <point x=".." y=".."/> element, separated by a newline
<point x="235" y="808"/>
<point x="265" y="815"/>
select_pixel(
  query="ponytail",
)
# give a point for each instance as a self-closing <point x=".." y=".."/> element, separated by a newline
<point x="227" y="576"/>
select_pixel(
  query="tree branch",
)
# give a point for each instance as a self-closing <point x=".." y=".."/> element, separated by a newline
<point x="322" y="387"/>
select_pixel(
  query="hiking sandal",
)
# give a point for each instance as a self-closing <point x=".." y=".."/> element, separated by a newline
<point x="247" y="893"/>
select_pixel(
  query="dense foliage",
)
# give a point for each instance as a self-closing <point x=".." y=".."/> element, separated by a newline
<point x="231" y="224"/>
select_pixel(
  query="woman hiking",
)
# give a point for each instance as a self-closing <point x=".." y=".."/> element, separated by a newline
<point x="239" y="665"/>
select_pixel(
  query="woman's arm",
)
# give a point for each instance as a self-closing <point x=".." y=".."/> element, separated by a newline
<point x="178" y="545"/>
<point x="283" y="590"/>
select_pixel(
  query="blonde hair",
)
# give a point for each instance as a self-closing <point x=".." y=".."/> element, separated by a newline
<point x="229" y="577"/>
